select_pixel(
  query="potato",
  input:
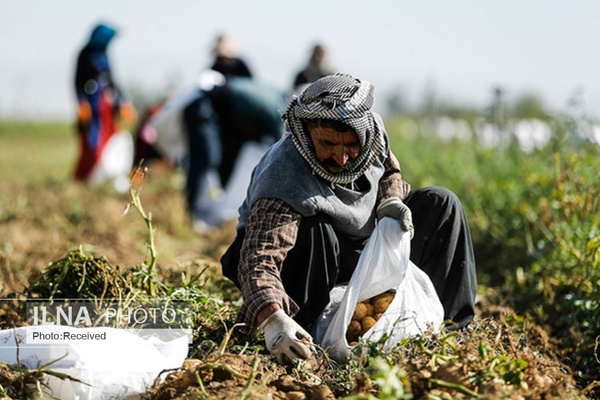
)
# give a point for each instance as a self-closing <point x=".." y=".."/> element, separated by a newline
<point x="381" y="305"/>
<point x="366" y="324"/>
<point x="384" y="295"/>
<point x="360" y="312"/>
<point x="382" y="301"/>
<point x="377" y="316"/>
<point x="353" y="331"/>
<point x="370" y="309"/>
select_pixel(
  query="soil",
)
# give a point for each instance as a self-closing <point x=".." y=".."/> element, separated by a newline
<point x="49" y="221"/>
<point x="228" y="375"/>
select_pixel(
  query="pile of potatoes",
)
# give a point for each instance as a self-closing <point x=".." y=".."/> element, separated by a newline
<point x="366" y="313"/>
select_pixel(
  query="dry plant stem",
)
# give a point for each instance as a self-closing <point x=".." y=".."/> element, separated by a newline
<point x="201" y="386"/>
<point x="243" y="394"/>
<point x="24" y="376"/>
<point x="220" y="353"/>
<point x="223" y="344"/>
<point x="38" y="386"/>
<point x="244" y="348"/>
<point x="136" y="202"/>
<point x="510" y="341"/>
<point x="19" y="361"/>
<point x="246" y="393"/>
<point x="202" y="389"/>
<point x="591" y="387"/>
<point x="596" y="349"/>
<point x="227" y="368"/>
<point x="455" y="386"/>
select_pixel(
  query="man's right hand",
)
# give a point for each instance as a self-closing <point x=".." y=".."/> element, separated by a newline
<point x="283" y="336"/>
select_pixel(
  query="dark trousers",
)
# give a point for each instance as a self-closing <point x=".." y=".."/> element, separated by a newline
<point x="323" y="257"/>
<point x="214" y="145"/>
<point x="205" y="146"/>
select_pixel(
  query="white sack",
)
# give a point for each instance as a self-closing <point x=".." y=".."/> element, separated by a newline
<point x="122" y="366"/>
<point x="383" y="265"/>
<point x="171" y="139"/>
<point x="226" y="206"/>
<point x="115" y="162"/>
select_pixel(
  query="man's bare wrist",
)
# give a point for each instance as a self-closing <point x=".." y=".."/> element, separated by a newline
<point x="266" y="312"/>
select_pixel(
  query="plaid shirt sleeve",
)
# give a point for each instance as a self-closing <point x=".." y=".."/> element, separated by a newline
<point x="271" y="232"/>
<point x="391" y="183"/>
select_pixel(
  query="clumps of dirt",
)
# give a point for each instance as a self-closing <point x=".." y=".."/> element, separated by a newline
<point x="9" y="377"/>
<point x="11" y="315"/>
<point x="226" y="375"/>
<point x="78" y="276"/>
<point x="21" y="383"/>
<point x="7" y="374"/>
<point x="493" y="359"/>
<point x="502" y="357"/>
<point x="223" y="377"/>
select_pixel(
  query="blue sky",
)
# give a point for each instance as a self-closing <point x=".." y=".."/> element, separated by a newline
<point x="461" y="49"/>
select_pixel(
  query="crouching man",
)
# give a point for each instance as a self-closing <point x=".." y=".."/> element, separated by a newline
<point x="314" y="200"/>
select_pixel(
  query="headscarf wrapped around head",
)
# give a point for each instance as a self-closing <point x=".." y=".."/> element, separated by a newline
<point x="101" y="36"/>
<point x="343" y="98"/>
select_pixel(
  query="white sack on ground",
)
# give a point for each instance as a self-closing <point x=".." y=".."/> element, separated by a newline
<point x="122" y="366"/>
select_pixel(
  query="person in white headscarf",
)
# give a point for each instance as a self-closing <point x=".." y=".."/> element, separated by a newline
<point x="314" y="200"/>
<point x="227" y="59"/>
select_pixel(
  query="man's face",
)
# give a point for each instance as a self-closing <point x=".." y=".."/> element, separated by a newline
<point x="334" y="149"/>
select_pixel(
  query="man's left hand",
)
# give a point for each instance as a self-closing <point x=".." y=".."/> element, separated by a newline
<point x="395" y="208"/>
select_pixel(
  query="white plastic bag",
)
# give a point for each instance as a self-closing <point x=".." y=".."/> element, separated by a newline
<point x="168" y="123"/>
<point x="383" y="265"/>
<point x="171" y="139"/>
<point x="115" y="162"/>
<point x="122" y="365"/>
<point x="226" y="206"/>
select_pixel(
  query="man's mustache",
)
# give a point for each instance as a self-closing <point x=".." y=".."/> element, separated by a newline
<point x="330" y="162"/>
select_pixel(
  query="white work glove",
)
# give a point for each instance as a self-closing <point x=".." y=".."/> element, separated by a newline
<point x="395" y="208"/>
<point x="283" y="337"/>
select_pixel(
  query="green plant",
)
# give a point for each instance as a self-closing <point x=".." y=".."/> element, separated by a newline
<point x="145" y="272"/>
<point x="565" y="278"/>
<point x="534" y="218"/>
<point x="391" y="381"/>
<point x="500" y="367"/>
<point x="17" y="382"/>
<point x="78" y="276"/>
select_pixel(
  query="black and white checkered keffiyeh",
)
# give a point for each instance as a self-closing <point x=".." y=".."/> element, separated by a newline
<point x="344" y="98"/>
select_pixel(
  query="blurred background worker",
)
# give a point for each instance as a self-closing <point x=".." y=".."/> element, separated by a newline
<point x="219" y="123"/>
<point x="145" y="139"/>
<point x="100" y="104"/>
<point x="217" y="133"/>
<point x="318" y="66"/>
<point x="227" y="61"/>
